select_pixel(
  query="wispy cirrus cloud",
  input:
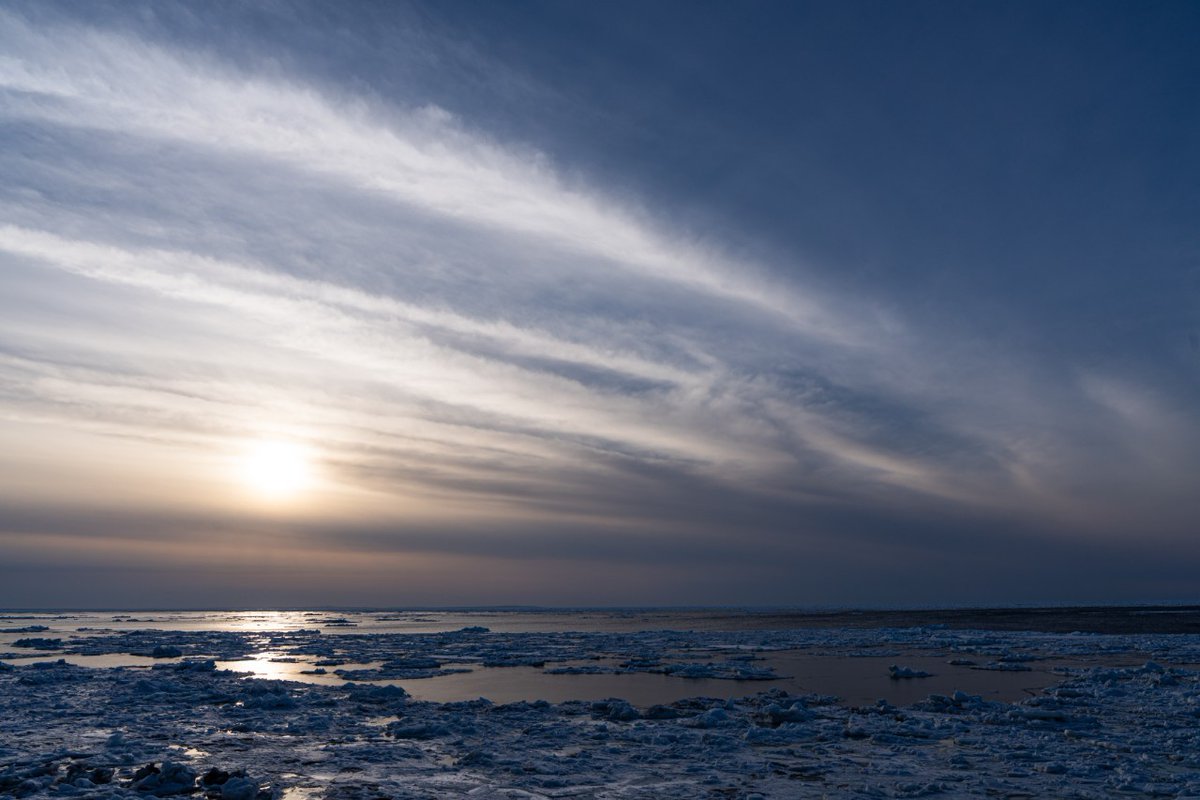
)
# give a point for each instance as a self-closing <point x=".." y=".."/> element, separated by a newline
<point x="476" y="344"/>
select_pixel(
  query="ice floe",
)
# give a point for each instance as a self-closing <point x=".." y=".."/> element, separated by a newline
<point x="185" y="727"/>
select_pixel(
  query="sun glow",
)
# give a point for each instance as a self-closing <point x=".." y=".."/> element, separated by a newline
<point x="277" y="470"/>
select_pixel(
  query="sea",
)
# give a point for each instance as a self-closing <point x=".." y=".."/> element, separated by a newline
<point x="857" y="676"/>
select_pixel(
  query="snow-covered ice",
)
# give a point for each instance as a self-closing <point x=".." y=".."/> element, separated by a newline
<point x="1123" y="721"/>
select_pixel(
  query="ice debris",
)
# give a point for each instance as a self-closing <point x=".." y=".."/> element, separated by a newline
<point x="189" y="729"/>
<point x="897" y="672"/>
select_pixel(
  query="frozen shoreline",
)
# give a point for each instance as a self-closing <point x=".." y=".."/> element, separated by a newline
<point x="1102" y="731"/>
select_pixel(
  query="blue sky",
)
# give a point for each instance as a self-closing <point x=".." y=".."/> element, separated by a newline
<point x="566" y="303"/>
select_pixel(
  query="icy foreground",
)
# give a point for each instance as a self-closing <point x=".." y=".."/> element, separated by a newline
<point x="186" y="728"/>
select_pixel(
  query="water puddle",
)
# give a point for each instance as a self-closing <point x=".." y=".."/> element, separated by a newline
<point x="856" y="680"/>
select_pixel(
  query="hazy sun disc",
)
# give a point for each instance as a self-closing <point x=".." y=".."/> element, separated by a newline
<point x="277" y="470"/>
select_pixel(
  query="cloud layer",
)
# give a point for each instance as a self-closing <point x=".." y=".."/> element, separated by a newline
<point x="517" y="385"/>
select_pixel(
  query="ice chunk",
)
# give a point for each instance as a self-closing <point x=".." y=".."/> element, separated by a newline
<point x="239" y="788"/>
<point x="898" y="672"/>
<point x="35" y="643"/>
<point x="172" y="778"/>
<point x="617" y="710"/>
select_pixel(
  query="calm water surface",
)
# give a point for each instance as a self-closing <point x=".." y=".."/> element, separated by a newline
<point x="857" y="680"/>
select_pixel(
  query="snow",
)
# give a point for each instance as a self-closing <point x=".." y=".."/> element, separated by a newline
<point x="184" y="726"/>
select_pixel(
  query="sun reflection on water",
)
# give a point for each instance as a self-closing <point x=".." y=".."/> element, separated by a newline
<point x="265" y="620"/>
<point x="260" y="665"/>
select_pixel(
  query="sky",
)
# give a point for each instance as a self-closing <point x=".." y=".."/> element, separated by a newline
<point x="815" y="304"/>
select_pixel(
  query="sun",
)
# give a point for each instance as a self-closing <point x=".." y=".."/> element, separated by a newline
<point x="277" y="470"/>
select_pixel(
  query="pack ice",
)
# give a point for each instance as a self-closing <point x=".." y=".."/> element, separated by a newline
<point x="182" y="727"/>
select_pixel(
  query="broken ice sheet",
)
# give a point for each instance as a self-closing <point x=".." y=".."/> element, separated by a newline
<point x="1102" y="730"/>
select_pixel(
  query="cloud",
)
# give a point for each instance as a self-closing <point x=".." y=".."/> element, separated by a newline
<point x="490" y="357"/>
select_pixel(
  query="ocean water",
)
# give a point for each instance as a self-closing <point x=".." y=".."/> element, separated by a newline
<point x="858" y="675"/>
<point x="641" y="704"/>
